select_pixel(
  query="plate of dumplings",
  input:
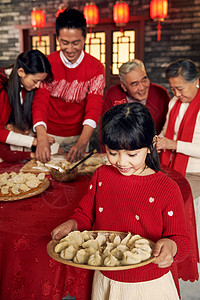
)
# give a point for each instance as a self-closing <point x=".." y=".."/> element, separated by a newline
<point x="102" y="250"/>
<point x="17" y="186"/>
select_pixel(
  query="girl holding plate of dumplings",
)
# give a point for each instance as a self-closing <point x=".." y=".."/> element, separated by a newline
<point x="133" y="195"/>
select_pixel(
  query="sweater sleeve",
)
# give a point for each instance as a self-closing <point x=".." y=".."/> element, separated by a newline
<point x="174" y="223"/>
<point x="94" y="99"/>
<point x="12" y="156"/>
<point x="5" y="111"/>
<point x="191" y="149"/>
<point x="40" y="104"/>
<point x="84" y="215"/>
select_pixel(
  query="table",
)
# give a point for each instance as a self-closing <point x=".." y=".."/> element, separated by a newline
<point x="27" y="272"/>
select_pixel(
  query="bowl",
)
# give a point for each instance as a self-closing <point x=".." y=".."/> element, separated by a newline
<point x="63" y="176"/>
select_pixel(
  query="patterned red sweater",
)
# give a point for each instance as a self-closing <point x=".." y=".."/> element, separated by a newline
<point x="151" y="206"/>
<point x="74" y="96"/>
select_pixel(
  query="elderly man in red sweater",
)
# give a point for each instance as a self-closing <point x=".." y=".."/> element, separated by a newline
<point x="135" y="87"/>
<point x="70" y="106"/>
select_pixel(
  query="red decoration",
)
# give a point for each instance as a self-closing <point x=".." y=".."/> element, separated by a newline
<point x="59" y="11"/>
<point x="38" y="20"/>
<point x="91" y="14"/>
<point x="158" y="12"/>
<point x="121" y="13"/>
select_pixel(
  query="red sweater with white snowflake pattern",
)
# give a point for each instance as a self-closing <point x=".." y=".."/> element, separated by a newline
<point x="73" y="96"/>
<point x="151" y="206"/>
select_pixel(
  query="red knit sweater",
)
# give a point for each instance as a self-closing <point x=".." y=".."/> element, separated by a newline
<point x="5" y="108"/>
<point x="157" y="102"/>
<point x="74" y="96"/>
<point x="151" y="206"/>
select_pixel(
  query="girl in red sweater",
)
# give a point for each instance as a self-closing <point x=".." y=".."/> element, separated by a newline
<point x="133" y="195"/>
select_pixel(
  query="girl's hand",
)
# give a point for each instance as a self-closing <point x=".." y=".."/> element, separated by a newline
<point x="165" y="250"/>
<point x="63" y="229"/>
<point x="165" y="144"/>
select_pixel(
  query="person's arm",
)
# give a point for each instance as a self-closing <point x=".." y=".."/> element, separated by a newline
<point x="43" y="145"/>
<point x="40" y="114"/>
<point x="174" y="226"/>
<point x="13" y="156"/>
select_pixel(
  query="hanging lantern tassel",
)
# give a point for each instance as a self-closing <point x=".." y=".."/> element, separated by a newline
<point x="158" y="12"/>
<point x="159" y="31"/>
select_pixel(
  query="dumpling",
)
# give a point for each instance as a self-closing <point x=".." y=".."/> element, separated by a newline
<point x="5" y="190"/>
<point x="24" y="187"/>
<point x="81" y="257"/>
<point x="126" y="239"/>
<point x="41" y="176"/>
<point x="61" y="246"/>
<point x="86" y="235"/>
<point x="91" y="250"/>
<point x="117" y="253"/>
<point x="143" y="253"/>
<point x="91" y="243"/>
<point x="77" y="236"/>
<point x="109" y="247"/>
<point x="101" y="238"/>
<point x="68" y="253"/>
<point x="95" y="259"/>
<point x="70" y="241"/>
<point x="15" y="189"/>
<point x="143" y="247"/>
<point x="123" y="248"/>
<point x="111" y="261"/>
<point x="132" y="240"/>
<point x="130" y="258"/>
<point x="142" y="241"/>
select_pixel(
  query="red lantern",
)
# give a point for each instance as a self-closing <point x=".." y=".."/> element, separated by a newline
<point x="121" y="13"/>
<point x="91" y="14"/>
<point x="158" y="12"/>
<point x="38" y="20"/>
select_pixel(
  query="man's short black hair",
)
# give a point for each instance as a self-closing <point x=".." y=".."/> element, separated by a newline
<point x="71" y="18"/>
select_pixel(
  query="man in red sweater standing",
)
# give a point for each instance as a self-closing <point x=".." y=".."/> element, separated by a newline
<point x="135" y="87"/>
<point x="70" y="106"/>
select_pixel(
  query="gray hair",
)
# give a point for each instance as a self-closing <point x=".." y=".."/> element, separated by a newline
<point x="184" y="67"/>
<point x="129" y="66"/>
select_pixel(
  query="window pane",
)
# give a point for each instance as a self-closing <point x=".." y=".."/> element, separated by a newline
<point x="95" y="45"/>
<point x="123" y="48"/>
<point x="43" y="46"/>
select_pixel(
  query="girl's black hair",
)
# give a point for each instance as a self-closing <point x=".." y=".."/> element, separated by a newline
<point x="31" y="62"/>
<point x="129" y="127"/>
<point x="71" y="18"/>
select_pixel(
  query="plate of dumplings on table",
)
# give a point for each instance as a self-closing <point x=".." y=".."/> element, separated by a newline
<point x="17" y="186"/>
<point x="102" y="250"/>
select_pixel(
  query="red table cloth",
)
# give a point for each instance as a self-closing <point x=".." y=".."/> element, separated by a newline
<point x="27" y="272"/>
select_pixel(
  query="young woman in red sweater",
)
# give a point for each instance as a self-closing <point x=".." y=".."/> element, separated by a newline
<point x="16" y="95"/>
<point x="133" y="195"/>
